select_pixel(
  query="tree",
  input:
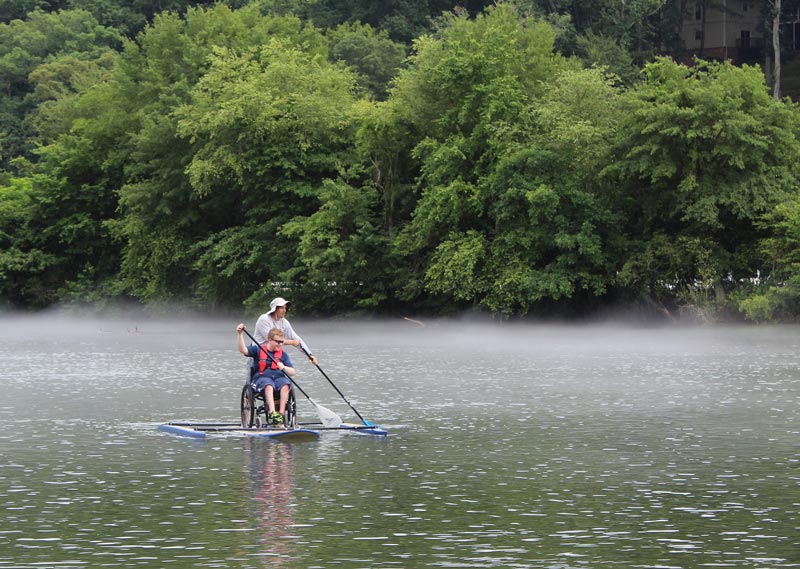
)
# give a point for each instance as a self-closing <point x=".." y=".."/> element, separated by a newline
<point x="269" y="127"/>
<point x="176" y="226"/>
<point x="504" y="219"/>
<point x="403" y="20"/>
<point x="18" y="9"/>
<point x="704" y="153"/>
<point x="776" y="46"/>
<point x="22" y="267"/>
<point x="343" y="249"/>
<point x="777" y="292"/>
<point x="110" y="193"/>
<point x="371" y="54"/>
<point x="26" y="44"/>
<point x="56" y="241"/>
<point x="607" y="53"/>
<point x="640" y="27"/>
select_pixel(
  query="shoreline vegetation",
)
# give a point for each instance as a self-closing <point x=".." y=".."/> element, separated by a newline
<point x="136" y="316"/>
<point x="499" y="159"/>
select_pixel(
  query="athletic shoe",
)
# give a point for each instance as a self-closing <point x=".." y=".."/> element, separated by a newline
<point x="276" y="418"/>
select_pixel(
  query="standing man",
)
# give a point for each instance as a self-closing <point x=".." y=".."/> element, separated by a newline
<point x="275" y="318"/>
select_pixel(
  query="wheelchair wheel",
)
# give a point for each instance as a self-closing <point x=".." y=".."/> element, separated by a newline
<point x="290" y="417"/>
<point x="248" y="407"/>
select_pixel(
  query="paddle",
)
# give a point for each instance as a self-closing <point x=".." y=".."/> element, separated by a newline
<point x="367" y="423"/>
<point x="328" y="417"/>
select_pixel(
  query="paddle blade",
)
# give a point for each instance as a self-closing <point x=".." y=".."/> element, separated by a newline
<point x="328" y="417"/>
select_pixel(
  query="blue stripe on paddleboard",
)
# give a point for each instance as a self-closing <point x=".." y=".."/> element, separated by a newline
<point x="182" y="431"/>
<point x="374" y="430"/>
<point x="287" y="435"/>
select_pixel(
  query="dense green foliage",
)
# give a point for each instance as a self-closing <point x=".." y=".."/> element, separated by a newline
<point x="510" y="158"/>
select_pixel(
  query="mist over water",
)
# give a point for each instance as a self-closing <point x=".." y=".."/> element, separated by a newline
<point x="510" y="445"/>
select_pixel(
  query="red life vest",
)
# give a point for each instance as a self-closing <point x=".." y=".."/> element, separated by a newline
<point x="273" y="360"/>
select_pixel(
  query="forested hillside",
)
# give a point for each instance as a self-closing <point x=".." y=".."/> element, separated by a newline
<point x="522" y="158"/>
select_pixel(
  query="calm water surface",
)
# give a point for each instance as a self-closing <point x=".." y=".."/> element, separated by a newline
<point x="510" y="446"/>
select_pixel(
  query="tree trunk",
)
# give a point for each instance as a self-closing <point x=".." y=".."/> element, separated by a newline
<point x="703" y="28"/>
<point x="776" y="48"/>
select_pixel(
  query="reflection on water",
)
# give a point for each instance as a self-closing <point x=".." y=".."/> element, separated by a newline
<point x="553" y="447"/>
<point x="271" y="474"/>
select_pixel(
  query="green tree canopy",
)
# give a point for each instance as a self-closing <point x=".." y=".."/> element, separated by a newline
<point x="246" y="143"/>
<point x="704" y="152"/>
<point x="26" y="44"/>
<point x="503" y="220"/>
<point x="372" y="55"/>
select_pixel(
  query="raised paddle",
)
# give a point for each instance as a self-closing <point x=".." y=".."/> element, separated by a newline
<point x="367" y="423"/>
<point x="328" y="417"/>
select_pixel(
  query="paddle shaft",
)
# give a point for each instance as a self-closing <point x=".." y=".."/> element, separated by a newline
<point x="337" y="390"/>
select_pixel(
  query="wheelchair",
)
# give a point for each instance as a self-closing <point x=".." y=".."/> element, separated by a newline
<point x="255" y="409"/>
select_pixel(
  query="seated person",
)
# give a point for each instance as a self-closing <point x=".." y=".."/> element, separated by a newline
<point x="274" y="365"/>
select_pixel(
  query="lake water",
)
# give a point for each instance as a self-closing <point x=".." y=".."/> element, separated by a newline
<point x="510" y="446"/>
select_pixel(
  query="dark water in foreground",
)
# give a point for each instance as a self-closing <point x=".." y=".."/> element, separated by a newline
<point x="510" y="446"/>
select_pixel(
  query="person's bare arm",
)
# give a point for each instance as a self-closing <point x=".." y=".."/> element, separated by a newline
<point x="240" y="340"/>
